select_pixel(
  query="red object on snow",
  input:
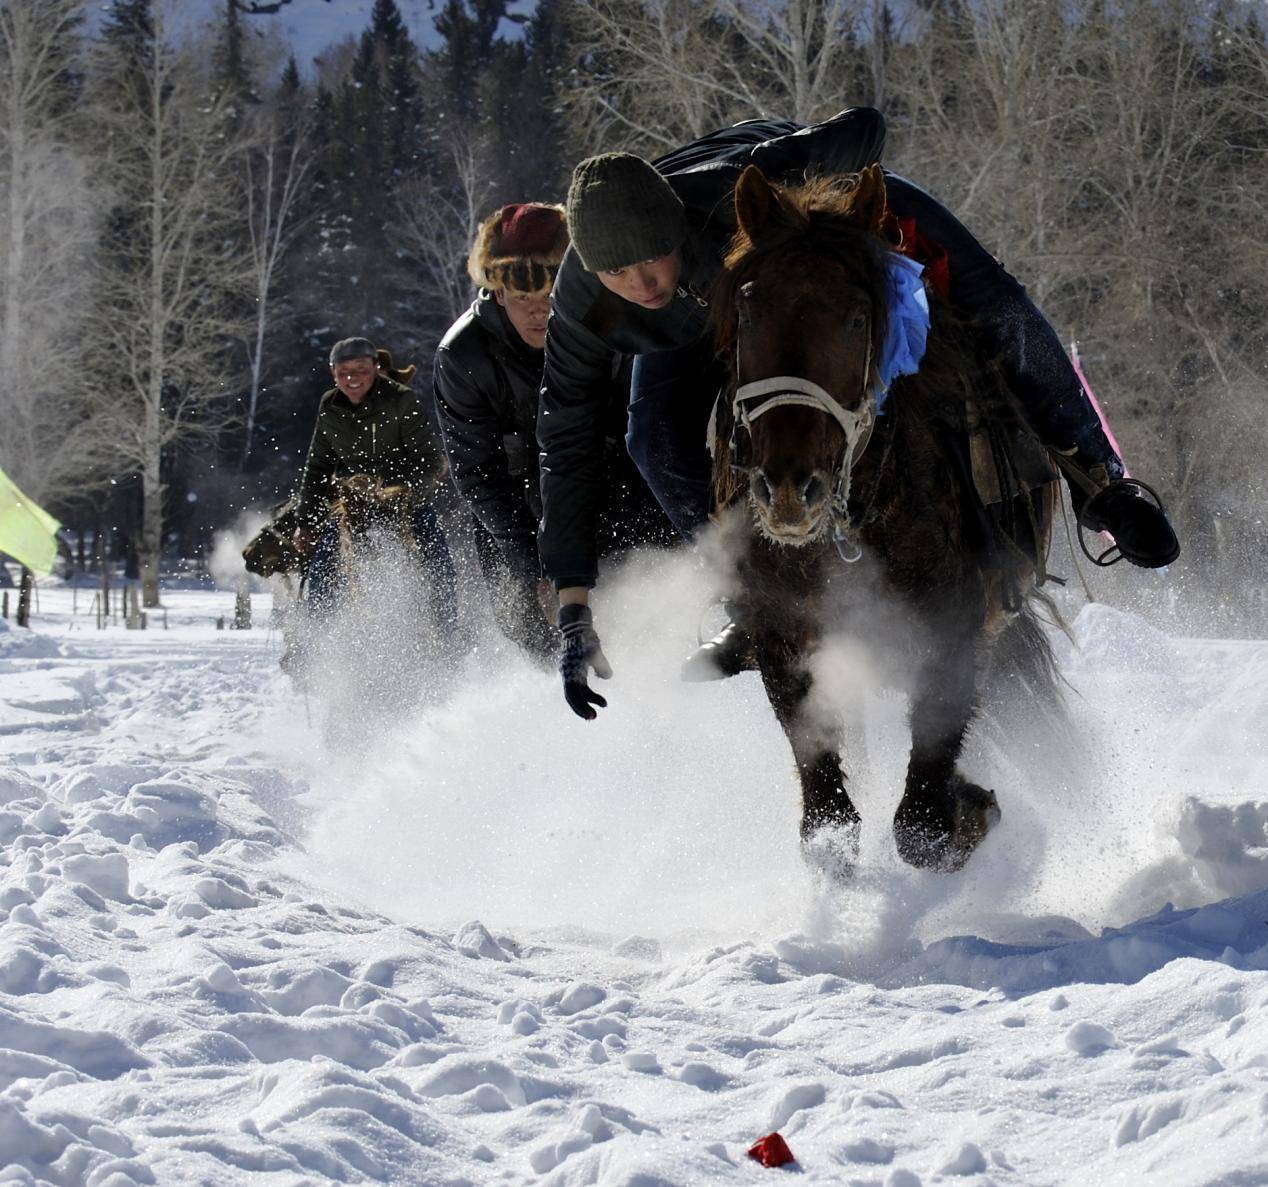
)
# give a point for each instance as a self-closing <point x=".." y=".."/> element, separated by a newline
<point x="771" y="1150"/>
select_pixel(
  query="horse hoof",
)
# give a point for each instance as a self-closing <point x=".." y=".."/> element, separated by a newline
<point x="832" y="852"/>
<point x="928" y="840"/>
<point x="976" y="813"/>
<point x="922" y="843"/>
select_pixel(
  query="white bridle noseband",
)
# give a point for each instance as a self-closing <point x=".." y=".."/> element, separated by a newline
<point x="781" y="390"/>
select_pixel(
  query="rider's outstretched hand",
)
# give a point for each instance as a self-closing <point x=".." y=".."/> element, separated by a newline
<point x="581" y="652"/>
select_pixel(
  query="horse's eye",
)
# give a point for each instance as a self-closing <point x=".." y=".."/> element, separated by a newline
<point x="858" y="321"/>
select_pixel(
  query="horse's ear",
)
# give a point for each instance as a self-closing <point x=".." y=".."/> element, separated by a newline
<point x="753" y="200"/>
<point x="868" y="206"/>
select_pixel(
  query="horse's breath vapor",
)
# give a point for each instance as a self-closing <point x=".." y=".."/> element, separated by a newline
<point x="225" y="563"/>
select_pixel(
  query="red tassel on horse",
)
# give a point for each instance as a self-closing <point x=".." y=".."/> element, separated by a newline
<point x="905" y="235"/>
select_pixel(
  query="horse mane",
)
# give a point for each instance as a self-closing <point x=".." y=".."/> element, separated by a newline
<point x="809" y="223"/>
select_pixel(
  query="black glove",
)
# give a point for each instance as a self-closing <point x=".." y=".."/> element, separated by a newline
<point x="581" y="652"/>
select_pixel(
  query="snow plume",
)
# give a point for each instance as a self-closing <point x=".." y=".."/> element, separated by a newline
<point x="675" y="815"/>
<point x="384" y="648"/>
<point x="675" y="812"/>
<point x="225" y="563"/>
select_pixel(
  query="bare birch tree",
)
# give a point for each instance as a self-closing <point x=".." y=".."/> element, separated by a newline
<point x="46" y="440"/>
<point x="1160" y="175"/>
<point x="169" y="281"/>
<point x="996" y="105"/>
<point x="436" y="226"/>
<point x="1115" y="158"/>
<point x="276" y="169"/>
<point x="663" y="72"/>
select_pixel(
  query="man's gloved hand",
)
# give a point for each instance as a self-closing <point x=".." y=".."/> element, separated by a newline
<point x="581" y="652"/>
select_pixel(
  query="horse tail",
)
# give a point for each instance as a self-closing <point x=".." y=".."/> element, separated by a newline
<point x="1021" y="671"/>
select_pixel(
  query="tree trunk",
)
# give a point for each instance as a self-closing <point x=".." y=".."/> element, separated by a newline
<point x="151" y="548"/>
<point x="24" y="597"/>
<point x="257" y="360"/>
<point x="15" y="247"/>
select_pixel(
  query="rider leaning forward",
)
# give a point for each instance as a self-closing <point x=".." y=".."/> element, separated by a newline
<point x="647" y="243"/>
<point x="487" y="376"/>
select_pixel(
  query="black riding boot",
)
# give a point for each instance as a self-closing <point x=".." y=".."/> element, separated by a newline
<point x="1142" y="533"/>
<point x="728" y="653"/>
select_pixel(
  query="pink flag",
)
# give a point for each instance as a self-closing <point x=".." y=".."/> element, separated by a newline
<point x="1096" y="404"/>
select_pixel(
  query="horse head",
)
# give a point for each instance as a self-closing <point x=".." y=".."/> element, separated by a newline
<point x="362" y="503"/>
<point x="802" y="303"/>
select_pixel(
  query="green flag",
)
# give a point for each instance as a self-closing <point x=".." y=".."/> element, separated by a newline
<point x="28" y="533"/>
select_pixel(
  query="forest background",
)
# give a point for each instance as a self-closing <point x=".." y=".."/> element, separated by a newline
<point x="189" y="217"/>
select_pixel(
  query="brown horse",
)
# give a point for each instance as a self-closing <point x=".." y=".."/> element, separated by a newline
<point x="809" y="477"/>
<point x="362" y="504"/>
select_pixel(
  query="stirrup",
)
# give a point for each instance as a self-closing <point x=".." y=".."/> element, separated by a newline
<point x="727" y="654"/>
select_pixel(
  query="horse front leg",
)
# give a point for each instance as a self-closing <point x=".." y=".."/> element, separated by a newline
<point x="829" y="820"/>
<point x="942" y="816"/>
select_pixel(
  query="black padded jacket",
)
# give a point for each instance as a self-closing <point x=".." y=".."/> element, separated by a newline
<point x="387" y="436"/>
<point x="589" y="326"/>
<point x="486" y="380"/>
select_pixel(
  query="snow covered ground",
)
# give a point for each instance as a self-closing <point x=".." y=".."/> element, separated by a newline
<point x="246" y="938"/>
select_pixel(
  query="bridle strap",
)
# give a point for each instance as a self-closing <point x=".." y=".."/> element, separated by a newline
<point x="782" y="390"/>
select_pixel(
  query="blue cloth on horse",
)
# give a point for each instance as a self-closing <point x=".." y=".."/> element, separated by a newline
<point x="907" y="326"/>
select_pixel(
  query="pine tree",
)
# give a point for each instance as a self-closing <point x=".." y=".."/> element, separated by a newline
<point x="379" y="143"/>
<point x="127" y="33"/>
<point x="231" y="70"/>
<point x="528" y="136"/>
<point x="468" y="28"/>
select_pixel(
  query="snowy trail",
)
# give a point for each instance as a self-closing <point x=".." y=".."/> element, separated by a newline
<point x="569" y="954"/>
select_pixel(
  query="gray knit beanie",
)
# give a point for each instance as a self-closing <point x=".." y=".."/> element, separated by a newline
<point x="621" y="211"/>
<point x="351" y="348"/>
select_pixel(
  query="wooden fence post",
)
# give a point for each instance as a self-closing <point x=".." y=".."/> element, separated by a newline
<point x="24" y="597"/>
<point x="242" y="607"/>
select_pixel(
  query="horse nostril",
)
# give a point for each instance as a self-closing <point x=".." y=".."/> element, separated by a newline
<point x="761" y="489"/>
<point x="814" y="492"/>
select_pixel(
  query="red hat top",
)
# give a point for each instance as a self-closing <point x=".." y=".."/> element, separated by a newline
<point x="529" y="229"/>
<point x="519" y="247"/>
